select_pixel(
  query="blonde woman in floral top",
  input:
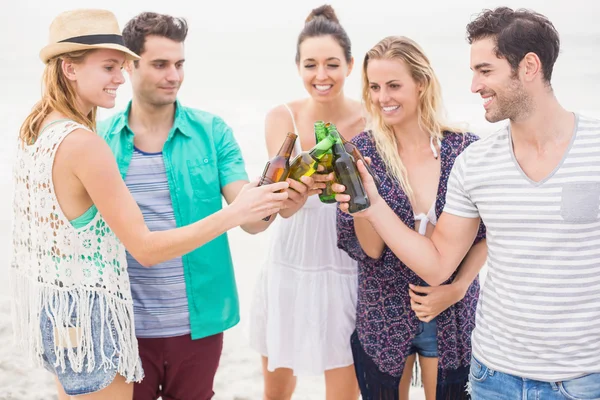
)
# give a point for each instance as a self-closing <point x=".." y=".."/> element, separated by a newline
<point x="399" y="314"/>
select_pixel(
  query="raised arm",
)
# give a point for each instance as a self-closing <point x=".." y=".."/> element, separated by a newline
<point x="232" y="171"/>
<point x="370" y="241"/>
<point x="470" y="267"/>
<point x="92" y="162"/>
<point x="433" y="259"/>
<point x="356" y="235"/>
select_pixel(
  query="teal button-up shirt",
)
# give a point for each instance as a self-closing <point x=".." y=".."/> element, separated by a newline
<point x="201" y="156"/>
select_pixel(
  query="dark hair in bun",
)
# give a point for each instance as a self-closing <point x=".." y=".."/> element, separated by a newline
<point x="322" y="21"/>
<point x="323" y="11"/>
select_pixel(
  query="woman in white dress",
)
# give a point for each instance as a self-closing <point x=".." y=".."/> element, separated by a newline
<point x="305" y="304"/>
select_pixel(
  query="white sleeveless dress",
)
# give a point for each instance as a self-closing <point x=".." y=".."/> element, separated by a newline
<point x="304" y="308"/>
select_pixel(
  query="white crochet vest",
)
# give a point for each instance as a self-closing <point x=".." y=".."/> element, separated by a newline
<point x="60" y="270"/>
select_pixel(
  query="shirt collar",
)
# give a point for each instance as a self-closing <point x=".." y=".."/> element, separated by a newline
<point x="180" y="123"/>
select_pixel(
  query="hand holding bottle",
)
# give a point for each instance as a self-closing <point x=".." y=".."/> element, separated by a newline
<point x="298" y="192"/>
<point x="369" y="186"/>
<point x="320" y="181"/>
<point x="254" y="202"/>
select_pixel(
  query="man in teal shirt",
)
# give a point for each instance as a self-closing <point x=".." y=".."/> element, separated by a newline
<point x="178" y="162"/>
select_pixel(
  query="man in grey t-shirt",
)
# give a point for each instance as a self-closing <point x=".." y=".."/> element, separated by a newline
<point x="536" y="186"/>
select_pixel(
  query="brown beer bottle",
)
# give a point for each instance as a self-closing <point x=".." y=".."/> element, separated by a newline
<point x="278" y="168"/>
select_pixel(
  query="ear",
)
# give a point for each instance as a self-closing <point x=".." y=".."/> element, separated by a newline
<point x="531" y="67"/>
<point x="129" y="66"/>
<point x="420" y="86"/>
<point x="350" y="66"/>
<point x="69" y="70"/>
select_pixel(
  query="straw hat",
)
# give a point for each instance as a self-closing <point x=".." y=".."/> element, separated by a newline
<point x="84" y="29"/>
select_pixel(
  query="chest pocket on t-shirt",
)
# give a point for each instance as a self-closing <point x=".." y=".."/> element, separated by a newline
<point x="580" y="202"/>
<point x="204" y="177"/>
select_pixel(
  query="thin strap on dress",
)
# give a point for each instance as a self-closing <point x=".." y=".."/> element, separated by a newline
<point x="297" y="145"/>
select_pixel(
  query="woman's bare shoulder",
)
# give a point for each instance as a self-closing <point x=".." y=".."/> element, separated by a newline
<point x="281" y="112"/>
<point x="84" y="146"/>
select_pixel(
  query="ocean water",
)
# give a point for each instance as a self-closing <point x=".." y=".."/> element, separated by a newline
<point x="239" y="64"/>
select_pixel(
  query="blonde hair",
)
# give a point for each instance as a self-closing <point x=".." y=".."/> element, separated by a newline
<point x="58" y="94"/>
<point x="430" y="107"/>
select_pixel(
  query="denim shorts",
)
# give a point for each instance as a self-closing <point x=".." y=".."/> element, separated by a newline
<point x="425" y="342"/>
<point x="488" y="384"/>
<point x="84" y="382"/>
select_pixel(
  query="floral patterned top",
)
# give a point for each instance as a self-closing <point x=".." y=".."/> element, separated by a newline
<point x="385" y="322"/>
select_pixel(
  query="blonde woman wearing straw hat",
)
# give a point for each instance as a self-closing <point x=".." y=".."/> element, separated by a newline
<point x="72" y="306"/>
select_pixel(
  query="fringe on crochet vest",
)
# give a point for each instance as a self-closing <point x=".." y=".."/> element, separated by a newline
<point x="68" y="274"/>
<point x="31" y="299"/>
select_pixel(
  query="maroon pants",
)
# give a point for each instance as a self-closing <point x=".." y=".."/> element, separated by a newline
<point x="178" y="368"/>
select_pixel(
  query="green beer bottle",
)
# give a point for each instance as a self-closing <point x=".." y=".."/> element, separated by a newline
<point x="307" y="162"/>
<point x="327" y="195"/>
<point x="356" y="154"/>
<point x="345" y="169"/>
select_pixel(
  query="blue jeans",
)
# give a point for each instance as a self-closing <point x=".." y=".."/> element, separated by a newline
<point x="425" y="341"/>
<point x="84" y="382"/>
<point x="487" y="384"/>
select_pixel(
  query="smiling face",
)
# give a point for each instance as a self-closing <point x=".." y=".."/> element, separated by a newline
<point x="323" y="67"/>
<point x="159" y="74"/>
<point x="97" y="78"/>
<point x="393" y="91"/>
<point x="501" y="88"/>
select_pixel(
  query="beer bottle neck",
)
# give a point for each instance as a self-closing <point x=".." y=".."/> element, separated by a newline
<point x="320" y="130"/>
<point x="288" y="145"/>
<point x="335" y="135"/>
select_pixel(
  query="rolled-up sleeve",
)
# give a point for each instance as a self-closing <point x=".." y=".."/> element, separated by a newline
<point x="230" y="162"/>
